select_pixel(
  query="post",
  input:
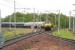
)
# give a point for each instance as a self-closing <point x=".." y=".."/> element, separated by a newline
<point x="40" y="19"/>
<point x="23" y="16"/>
<point x="55" y="19"/>
<point x="10" y="22"/>
<point x="15" y="17"/>
<point x="1" y="34"/>
<point x="73" y="21"/>
<point x="23" y="19"/>
<point x="73" y="24"/>
<point x="40" y="16"/>
<point x="47" y="18"/>
<point x="34" y="19"/>
<point x="59" y="21"/>
<point x="34" y="15"/>
<point x="70" y="21"/>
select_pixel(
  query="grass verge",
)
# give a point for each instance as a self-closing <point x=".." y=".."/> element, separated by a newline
<point x="64" y="33"/>
<point x="10" y="34"/>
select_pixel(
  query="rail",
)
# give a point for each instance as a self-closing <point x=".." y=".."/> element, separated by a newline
<point x="12" y="41"/>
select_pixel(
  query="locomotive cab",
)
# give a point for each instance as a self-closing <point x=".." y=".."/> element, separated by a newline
<point x="48" y="27"/>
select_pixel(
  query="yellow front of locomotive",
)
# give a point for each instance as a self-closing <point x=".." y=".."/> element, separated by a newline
<point x="48" y="26"/>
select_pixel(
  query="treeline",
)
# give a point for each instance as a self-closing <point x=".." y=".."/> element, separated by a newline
<point x="30" y="17"/>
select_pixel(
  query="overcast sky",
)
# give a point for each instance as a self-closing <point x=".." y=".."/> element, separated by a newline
<point x="64" y="6"/>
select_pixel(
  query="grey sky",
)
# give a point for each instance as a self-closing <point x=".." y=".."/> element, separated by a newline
<point x="64" y="6"/>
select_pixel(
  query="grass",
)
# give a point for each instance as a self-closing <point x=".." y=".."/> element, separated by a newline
<point x="64" y="33"/>
<point x="10" y="34"/>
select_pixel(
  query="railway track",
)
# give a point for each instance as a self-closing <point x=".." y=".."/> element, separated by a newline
<point x="15" y="40"/>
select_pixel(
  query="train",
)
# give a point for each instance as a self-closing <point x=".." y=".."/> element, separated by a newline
<point x="21" y="24"/>
<point x="43" y="25"/>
